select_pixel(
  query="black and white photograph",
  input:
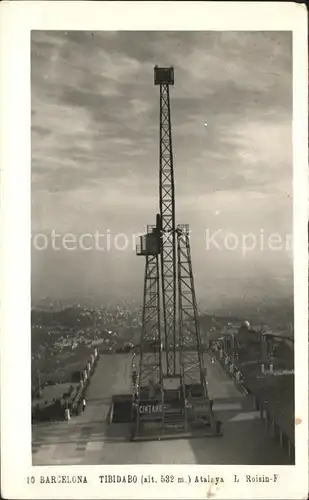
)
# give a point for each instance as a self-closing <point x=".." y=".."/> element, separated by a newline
<point x="162" y="270"/>
<point x="154" y="250"/>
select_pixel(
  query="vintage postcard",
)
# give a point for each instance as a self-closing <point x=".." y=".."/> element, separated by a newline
<point x="154" y="228"/>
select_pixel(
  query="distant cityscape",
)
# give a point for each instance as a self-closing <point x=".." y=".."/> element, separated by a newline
<point x="62" y="335"/>
<point x="277" y="313"/>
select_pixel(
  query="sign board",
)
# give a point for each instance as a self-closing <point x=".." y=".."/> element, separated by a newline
<point x="153" y="409"/>
<point x="150" y="409"/>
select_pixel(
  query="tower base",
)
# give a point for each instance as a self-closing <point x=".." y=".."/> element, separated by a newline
<point x="182" y="418"/>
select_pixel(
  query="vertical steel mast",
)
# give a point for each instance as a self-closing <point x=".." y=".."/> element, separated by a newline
<point x="169" y="397"/>
<point x="149" y="383"/>
<point x="165" y="77"/>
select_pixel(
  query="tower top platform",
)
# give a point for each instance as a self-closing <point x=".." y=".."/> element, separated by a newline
<point x="163" y="76"/>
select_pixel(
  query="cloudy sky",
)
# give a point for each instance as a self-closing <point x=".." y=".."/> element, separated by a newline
<point x="95" y="125"/>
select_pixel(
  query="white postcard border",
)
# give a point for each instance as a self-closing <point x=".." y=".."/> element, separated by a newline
<point x="17" y="19"/>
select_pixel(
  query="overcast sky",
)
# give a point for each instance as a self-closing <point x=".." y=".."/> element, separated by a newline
<point x="95" y="126"/>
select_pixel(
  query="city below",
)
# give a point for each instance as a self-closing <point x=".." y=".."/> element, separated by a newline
<point x="69" y="332"/>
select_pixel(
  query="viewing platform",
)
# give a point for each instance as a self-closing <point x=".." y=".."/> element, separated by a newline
<point x="91" y="439"/>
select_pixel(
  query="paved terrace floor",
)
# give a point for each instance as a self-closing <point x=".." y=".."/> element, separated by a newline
<point x="88" y="440"/>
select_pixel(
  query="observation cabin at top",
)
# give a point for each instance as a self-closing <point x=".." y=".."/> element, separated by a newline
<point x="163" y="76"/>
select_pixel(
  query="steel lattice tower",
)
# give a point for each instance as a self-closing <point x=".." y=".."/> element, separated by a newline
<point x="165" y="78"/>
<point x="150" y="346"/>
<point x="150" y="368"/>
<point x="191" y="352"/>
<point x="171" y="372"/>
<point x="149" y="384"/>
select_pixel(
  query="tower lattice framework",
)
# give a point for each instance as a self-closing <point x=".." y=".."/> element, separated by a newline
<point x="191" y="349"/>
<point x="168" y="247"/>
<point x="149" y="384"/>
<point x="171" y="366"/>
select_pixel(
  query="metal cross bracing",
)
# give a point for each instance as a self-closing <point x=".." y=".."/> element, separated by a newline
<point x="167" y="211"/>
<point x="176" y="383"/>
<point x="191" y="349"/>
<point x="150" y="380"/>
<point x="150" y="346"/>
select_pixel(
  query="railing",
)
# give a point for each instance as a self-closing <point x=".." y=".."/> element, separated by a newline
<point x="70" y="402"/>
